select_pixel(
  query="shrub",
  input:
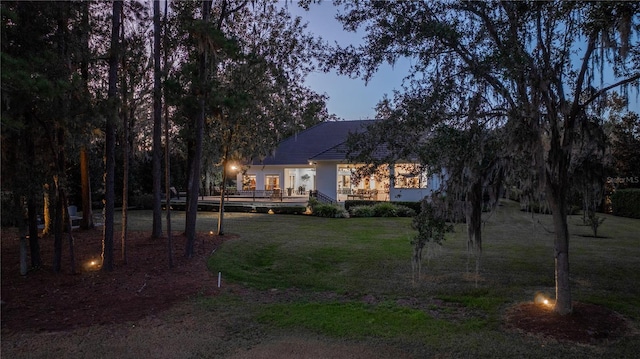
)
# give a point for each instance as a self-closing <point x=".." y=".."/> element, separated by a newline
<point x="415" y="206"/>
<point x="330" y="211"/>
<point x="385" y="209"/>
<point x="289" y="210"/>
<point x="357" y="203"/>
<point x="362" y="211"/>
<point x="313" y="202"/>
<point x="626" y="203"/>
<point x="404" y="211"/>
<point x="594" y="222"/>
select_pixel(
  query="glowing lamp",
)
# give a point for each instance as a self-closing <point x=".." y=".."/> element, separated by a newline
<point x="91" y="265"/>
<point x="542" y="299"/>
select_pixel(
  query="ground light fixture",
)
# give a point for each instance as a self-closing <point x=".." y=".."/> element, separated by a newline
<point x="92" y="265"/>
<point x="543" y="299"/>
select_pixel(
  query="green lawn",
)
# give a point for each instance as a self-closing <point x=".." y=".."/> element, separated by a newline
<point x="295" y="284"/>
<point x="450" y="311"/>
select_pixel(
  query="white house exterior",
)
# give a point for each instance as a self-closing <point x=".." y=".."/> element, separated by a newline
<point x="314" y="159"/>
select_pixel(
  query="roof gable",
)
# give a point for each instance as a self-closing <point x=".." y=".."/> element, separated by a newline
<point x="299" y="148"/>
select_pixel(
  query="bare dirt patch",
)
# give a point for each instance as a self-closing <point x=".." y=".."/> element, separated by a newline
<point x="47" y="301"/>
<point x="587" y="324"/>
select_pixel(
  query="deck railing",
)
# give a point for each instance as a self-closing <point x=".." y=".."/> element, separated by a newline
<point x="321" y="197"/>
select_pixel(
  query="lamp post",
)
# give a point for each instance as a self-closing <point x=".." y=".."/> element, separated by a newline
<point x="223" y="187"/>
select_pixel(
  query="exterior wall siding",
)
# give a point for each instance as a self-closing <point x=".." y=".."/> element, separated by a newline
<point x="326" y="180"/>
<point x="326" y="175"/>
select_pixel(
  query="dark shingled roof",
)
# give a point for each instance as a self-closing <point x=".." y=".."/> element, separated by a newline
<point x="321" y="138"/>
<point x="339" y="151"/>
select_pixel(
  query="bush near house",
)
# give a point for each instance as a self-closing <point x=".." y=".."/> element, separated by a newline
<point x="385" y="209"/>
<point x="329" y="210"/>
<point x="626" y="203"/>
<point x="289" y="210"/>
<point x="355" y="203"/>
<point x="362" y="211"/>
<point x="404" y="211"/>
<point x="382" y="209"/>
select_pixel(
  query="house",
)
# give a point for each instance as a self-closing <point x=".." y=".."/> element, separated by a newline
<point x="315" y="159"/>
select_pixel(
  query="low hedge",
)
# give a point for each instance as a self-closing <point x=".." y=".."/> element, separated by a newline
<point x="355" y="203"/>
<point x="362" y="211"/>
<point x="329" y="210"/>
<point x="382" y="209"/>
<point x="626" y="203"/>
<point x="289" y="210"/>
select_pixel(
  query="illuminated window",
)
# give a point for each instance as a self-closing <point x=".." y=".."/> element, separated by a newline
<point x="271" y="182"/>
<point x="249" y="182"/>
<point x="409" y="175"/>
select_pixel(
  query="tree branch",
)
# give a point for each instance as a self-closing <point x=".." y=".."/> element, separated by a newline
<point x="603" y="90"/>
<point x="583" y="70"/>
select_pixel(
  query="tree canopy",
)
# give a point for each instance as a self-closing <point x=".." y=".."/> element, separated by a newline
<point x="534" y="69"/>
<point x="76" y="75"/>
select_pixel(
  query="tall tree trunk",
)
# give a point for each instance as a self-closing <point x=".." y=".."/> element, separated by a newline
<point x="223" y="188"/>
<point x="194" y="172"/>
<point x="126" y="142"/>
<point x="46" y="210"/>
<point x="34" y="243"/>
<point x="157" y="125"/>
<point x="69" y="225"/>
<point x="558" y="204"/>
<point x="60" y="131"/>
<point x="110" y="141"/>
<point x="61" y="205"/>
<point x="474" y="223"/>
<point x="22" y="230"/>
<point x="57" y="228"/>
<point x="32" y="214"/>
<point x="87" y="213"/>
<point x="125" y="168"/>
<point x="167" y="161"/>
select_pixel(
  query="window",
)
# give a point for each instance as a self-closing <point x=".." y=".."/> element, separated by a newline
<point x="271" y="182"/>
<point x="249" y="182"/>
<point x="409" y="175"/>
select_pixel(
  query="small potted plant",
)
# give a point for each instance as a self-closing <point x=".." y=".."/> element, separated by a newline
<point x="305" y="177"/>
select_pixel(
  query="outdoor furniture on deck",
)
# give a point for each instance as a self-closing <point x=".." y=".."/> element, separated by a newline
<point x="276" y="194"/>
<point x="363" y="194"/>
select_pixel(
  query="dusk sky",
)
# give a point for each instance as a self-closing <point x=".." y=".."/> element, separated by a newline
<point x="349" y="99"/>
<point x="353" y="99"/>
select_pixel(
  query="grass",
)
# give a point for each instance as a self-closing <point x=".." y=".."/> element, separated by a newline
<point x="357" y="320"/>
<point x="349" y="280"/>
<point x="314" y="253"/>
<point x="371" y="256"/>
